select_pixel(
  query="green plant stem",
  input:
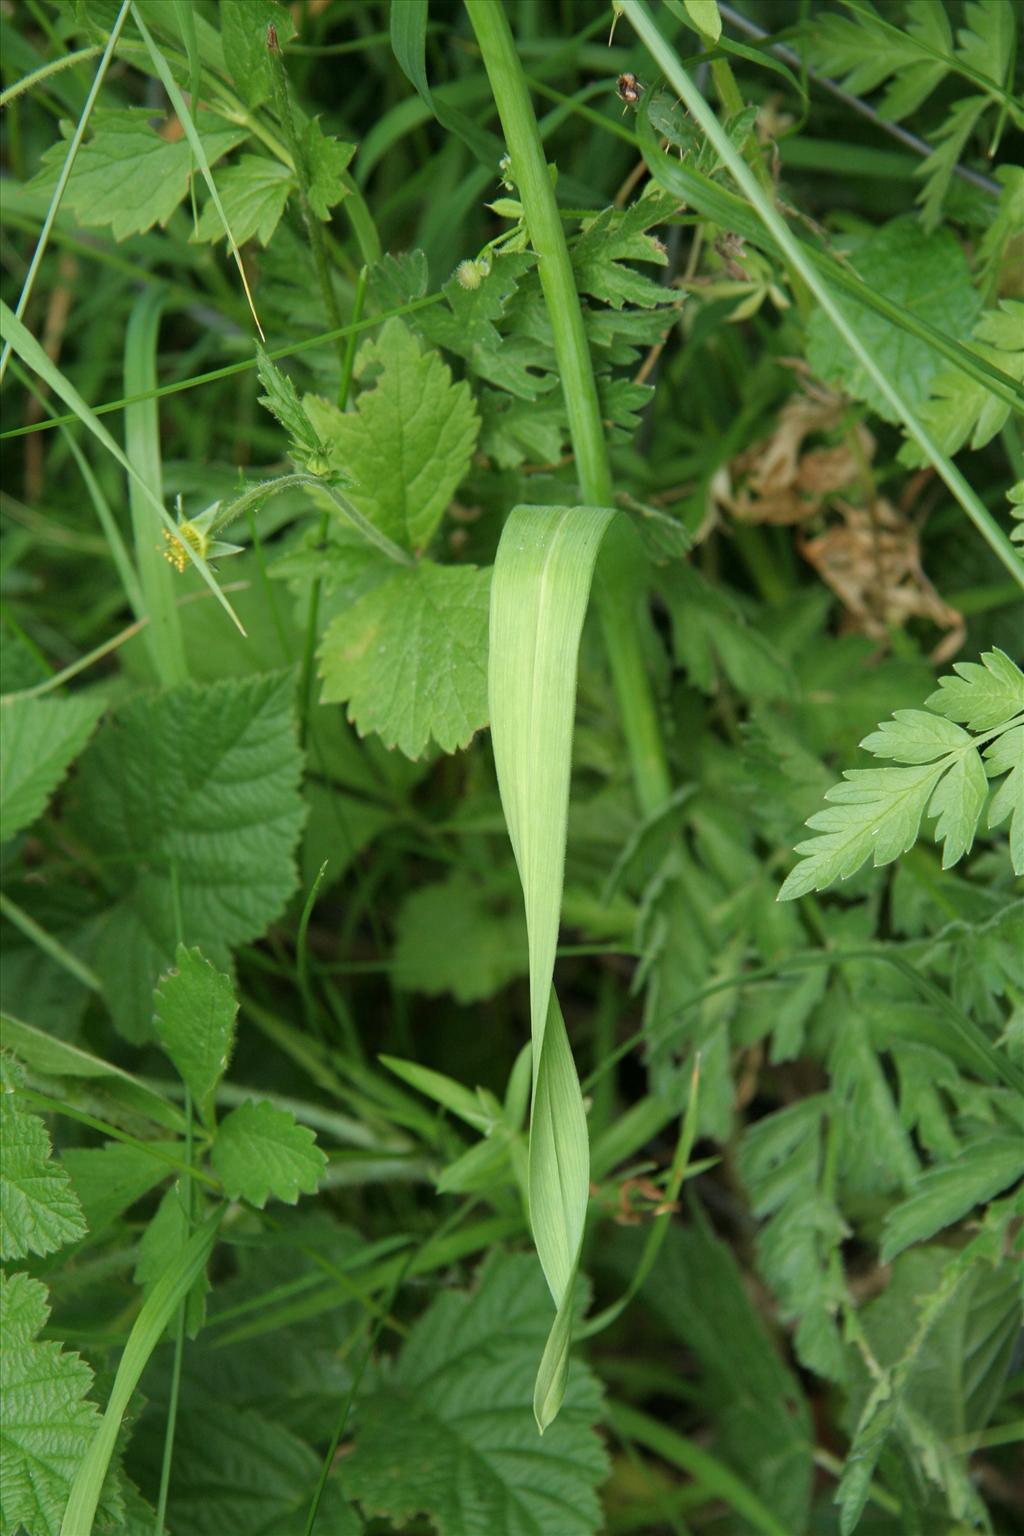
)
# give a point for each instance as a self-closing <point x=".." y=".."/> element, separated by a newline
<point x="314" y="228"/>
<point x="618" y="591"/>
<point x="179" y="1341"/>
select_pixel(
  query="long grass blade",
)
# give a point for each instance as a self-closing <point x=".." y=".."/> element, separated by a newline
<point x="147" y="1331"/>
<point x="539" y="592"/>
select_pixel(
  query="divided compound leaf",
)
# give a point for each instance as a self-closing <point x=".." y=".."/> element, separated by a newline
<point x="448" y="1431"/>
<point x="39" y="740"/>
<point x="192" y="796"/>
<point x="46" y="1419"/>
<point x="39" y="1210"/>
<point x="410" y="657"/>
<point x="609" y="241"/>
<point x="261" y="1152"/>
<point x="876" y="812"/>
<point x="408" y="443"/>
<point x="327" y="159"/>
<point x="944" y="1194"/>
<point x="283" y="403"/>
<point x="126" y="174"/>
<point x="449" y="938"/>
<point x="961" y="411"/>
<point x="194" y="1020"/>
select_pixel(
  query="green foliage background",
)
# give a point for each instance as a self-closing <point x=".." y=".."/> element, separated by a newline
<point x="277" y="1163"/>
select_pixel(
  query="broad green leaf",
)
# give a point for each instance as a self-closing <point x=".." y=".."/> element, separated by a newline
<point x="928" y="276"/>
<point x="127" y="175"/>
<point x="448" y="1431"/>
<point x="238" y="1473"/>
<point x="981" y="696"/>
<point x="253" y="192"/>
<point x="194" y="1020"/>
<point x="410" y="658"/>
<point x="39" y="740"/>
<point x="109" y="1179"/>
<point x="408" y="443"/>
<point x="39" y="1210"/>
<point x="450" y="938"/>
<point x="961" y="411"/>
<point x="46" y="1419"/>
<point x="243" y="25"/>
<point x="539" y="595"/>
<point x="944" y="1194"/>
<point x="192" y="797"/>
<point x="326" y="161"/>
<point x="262" y="1151"/>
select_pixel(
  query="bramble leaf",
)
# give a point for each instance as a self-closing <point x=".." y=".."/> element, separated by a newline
<point x="408" y="443"/>
<point x="39" y="1210"/>
<point x="194" y="1020"/>
<point x="410" y="657"/>
<point x="876" y="812"/>
<point x="262" y="1151"/>
<point x="127" y="175"/>
<point x="928" y="276"/>
<point x="192" y="798"/>
<point x="39" y="740"/>
<point x="449" y="1432"/>
<point x="46" y="1420"/>
<point x="253" y="192"/>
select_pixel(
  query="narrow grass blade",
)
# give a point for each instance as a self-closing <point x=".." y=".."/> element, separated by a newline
<point x="31" y="353"/>
<point x="164" y="639"/>
<point x="147" y="1331"/>
<point x="539" y="592"/>
<point x="65" y="175"/>
<point x="177" y="101"/>
<point x="666" y="59"/>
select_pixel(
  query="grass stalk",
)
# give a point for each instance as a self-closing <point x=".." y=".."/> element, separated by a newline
<point x="621" y="567"/>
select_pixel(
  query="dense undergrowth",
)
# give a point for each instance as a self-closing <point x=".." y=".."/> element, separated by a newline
<point x="364" y="365"/>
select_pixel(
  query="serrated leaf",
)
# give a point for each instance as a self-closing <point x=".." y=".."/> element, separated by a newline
<point x="194" y="1020"/>
<point x="448" y="1432"/>
<point x="39" y="1210"/>
<point x="126" y="174"/>
<point x="410" y="658"/>
<point x="262" y="1151"/>
<point x="957" y="803"/>
<point x="960" y="411"/>
<point x="948" y="143"/>
<point x="193" y="798"/>
<point x="46" y="1420"/>
<point x="449" y="938"/>
<point x="1006" y="755"/>
<point x="928" y="276"/>
<point x="613" y="238"/>
<point x="408" y="443"/>
<point x="981" y="696"/>
<point x="914" y="736"/>
<point x="282" y="401"/>
<point x="863" y="54"/>
<point x="39" y="740"/>
<point x="253" y="192"/>
<point x="519" y="364"/>
<point x="327" y="159"/>
<point x="243" y="25"/>
<point x="943" y="1195"/>
<point x="238" y="1473"/>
